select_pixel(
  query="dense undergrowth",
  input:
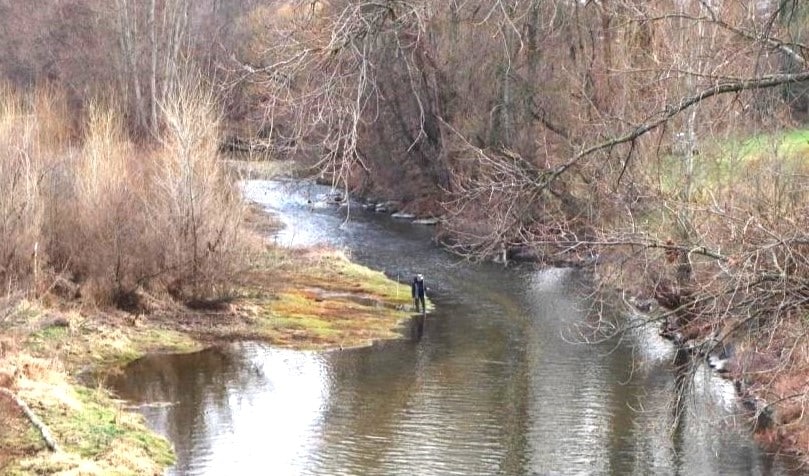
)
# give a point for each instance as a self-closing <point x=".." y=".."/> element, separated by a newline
<point x="91" y="220"/>
<point x="87" y="213"/>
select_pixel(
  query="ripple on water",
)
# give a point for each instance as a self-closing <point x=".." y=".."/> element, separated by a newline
<point x="492" y="388"/>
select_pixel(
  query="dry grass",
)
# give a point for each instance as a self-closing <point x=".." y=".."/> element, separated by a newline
<point x="95" y="433"/>
<point x="294" y="298"/>
<point x="31" y="130"/>
<point x="113" y="219"/>
<point x="96" y="210"/>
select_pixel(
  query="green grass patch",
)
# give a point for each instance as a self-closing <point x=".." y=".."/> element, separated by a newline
<point x="336" y="272"/>
<point x="22" y="314"/>
<point x="782" y="144"/>
<point x="96" y="435"/>
<point x="105" y="346"/>
<point x="120" y="348"/>
<point x="43" y="341"/>
<point x="89" y="429"/>
<point x="739" y="163"/>
<point x="58" y="333"/>
<point x="325" y="300"/>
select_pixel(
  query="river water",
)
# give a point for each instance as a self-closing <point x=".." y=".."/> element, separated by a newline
<point x="499" y="384"/>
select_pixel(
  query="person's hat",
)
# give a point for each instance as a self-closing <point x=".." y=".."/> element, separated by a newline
<point x="420" y="276"/>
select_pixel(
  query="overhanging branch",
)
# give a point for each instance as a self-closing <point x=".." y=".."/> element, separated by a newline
<point x="672" y="110"/>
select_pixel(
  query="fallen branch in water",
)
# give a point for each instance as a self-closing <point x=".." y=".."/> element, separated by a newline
<point x="43" y="429"/>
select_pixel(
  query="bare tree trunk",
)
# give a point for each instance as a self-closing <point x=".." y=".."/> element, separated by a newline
<point x="532" y="36"/>
<point x="175" y="26"/>
<point x="693" y="59"/>
<point x="123" y="65"/>
<point x="152" y="25"/>
<point x="128" y="27"/>
<point x="168" y="13"/>
<point x="501" y="134"/>
<point x="505" y="106"/>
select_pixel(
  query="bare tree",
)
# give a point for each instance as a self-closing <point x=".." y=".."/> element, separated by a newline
<point x="154" y="42"/>
<point x="589" y="132"/>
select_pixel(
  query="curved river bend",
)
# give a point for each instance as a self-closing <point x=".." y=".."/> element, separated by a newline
<point x="493" y="387"/>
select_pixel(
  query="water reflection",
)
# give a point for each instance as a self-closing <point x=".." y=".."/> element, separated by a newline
<point x="227" y="409"/>
<point x="491" y="388"/>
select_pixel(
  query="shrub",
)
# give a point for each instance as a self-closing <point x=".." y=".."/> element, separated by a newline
<point x="33" y="135"/>
<point x="193" y="209"/>
<point x="109" y="215"/>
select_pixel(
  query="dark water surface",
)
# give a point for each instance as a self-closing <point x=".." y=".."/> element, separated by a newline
<point x="497" y="384"/>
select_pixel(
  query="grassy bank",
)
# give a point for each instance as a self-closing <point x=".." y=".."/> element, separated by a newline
<point x="311" y="299"/>
<point x="320" y="298"/>
<point x="46" y="352"/>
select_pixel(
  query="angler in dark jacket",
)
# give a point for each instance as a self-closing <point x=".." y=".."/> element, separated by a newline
<point x="417" y="292"/>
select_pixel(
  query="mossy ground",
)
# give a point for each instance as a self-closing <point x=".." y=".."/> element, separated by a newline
<point x="299" y="298"/>
<point x="315" y="298"/>
<point x="321" y="299"/>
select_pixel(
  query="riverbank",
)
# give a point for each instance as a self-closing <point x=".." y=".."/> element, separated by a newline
<point x="765" y="354"/>
<point x="54" y="356"/>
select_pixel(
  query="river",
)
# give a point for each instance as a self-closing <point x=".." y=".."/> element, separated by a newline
<point x="499" y="383"/>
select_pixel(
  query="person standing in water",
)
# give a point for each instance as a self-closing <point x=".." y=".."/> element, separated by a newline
<point x="417" y="292"/>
